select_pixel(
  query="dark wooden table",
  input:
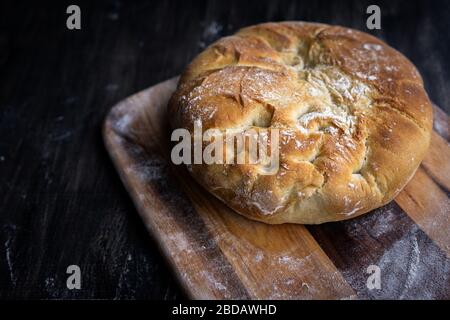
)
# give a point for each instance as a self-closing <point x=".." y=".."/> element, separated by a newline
<point x="61" y="201"/>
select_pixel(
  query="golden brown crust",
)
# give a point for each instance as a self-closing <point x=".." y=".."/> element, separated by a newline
<point x="353" y="116"/>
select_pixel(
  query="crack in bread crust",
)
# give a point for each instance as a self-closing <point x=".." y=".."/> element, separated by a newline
<point x="353" y="116"/>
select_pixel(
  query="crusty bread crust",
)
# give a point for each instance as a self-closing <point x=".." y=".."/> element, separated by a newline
<point x="354" y="119"/>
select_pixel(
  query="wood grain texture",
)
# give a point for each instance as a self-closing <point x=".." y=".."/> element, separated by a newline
<point x="216" y="253"/>
<point x="62" y="201"/>
<point x="412" y="265"/>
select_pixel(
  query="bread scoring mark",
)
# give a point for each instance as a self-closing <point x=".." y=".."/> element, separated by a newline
<point x="403" y="114"/>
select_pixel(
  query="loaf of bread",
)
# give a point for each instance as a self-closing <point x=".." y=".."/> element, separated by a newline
<point x="353" y="117"/>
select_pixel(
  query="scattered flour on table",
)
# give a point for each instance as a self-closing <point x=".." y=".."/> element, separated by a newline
<point x="412" y="266"/>
<point x="10" y="233"/>
<point x="211" y="33"/>
<point x="123" y="123"/>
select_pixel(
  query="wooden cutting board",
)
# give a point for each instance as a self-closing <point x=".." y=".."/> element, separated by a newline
<point x="215" y="253"/>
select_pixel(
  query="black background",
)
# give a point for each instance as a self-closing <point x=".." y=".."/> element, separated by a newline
<point x="61" y="201"/>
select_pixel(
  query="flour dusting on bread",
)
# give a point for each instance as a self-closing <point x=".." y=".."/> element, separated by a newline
<point x="351" y="111"/>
